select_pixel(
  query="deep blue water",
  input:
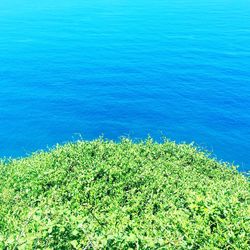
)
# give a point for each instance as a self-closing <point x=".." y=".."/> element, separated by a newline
<point x="179" y="68"/>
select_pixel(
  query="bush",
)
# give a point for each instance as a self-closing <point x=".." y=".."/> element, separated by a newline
<point x="107" y="195"/>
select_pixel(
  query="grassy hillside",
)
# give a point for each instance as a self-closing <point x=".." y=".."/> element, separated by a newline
<point x="106" y="195"/>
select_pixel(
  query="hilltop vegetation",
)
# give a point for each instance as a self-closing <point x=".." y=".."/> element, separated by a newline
<point x="107" y="195"/>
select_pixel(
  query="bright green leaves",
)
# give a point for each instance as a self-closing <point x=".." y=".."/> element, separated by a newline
<point x="106" y="195"/>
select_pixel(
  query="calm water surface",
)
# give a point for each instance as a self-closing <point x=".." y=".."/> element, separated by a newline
<point x="180" y="68"/>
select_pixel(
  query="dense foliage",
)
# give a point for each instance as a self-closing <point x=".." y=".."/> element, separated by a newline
<point x="107" y="195"/>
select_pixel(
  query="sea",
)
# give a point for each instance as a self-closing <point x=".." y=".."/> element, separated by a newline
<point x="78" y="69"/>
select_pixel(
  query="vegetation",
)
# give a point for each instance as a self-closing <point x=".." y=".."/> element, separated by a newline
<point x="107" y="195"/>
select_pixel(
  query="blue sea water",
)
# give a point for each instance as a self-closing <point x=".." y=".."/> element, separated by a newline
<point x="178" y="68"/>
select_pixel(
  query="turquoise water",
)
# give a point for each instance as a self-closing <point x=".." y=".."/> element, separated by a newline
<point x="161" y="67"/>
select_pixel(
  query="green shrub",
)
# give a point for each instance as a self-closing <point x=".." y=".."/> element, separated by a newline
<point x="107" y="195"/>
